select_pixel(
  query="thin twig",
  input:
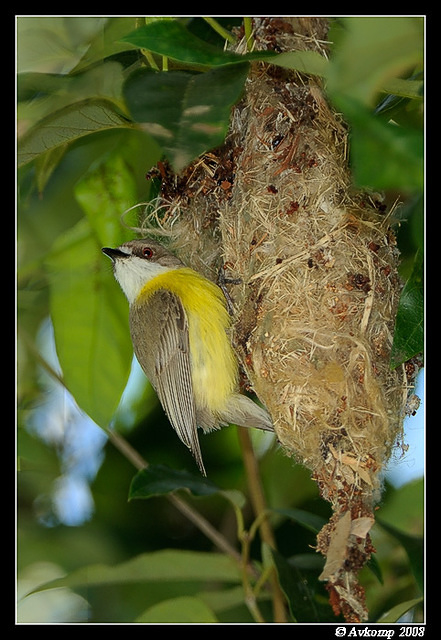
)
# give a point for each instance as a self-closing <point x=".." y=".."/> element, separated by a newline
<point x="246" y="538"/>
<point x="203" y="525"/>
<point x="260" y="510"/>
<point x="214" y="24"/>
<point x="126" y="449"/>
<point x="248" y="27"/>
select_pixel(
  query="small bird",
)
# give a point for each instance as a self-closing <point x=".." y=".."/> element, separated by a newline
<point x="179" y="328"/>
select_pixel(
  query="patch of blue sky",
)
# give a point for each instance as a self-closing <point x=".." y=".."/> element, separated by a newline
<point x="411" y="464"/>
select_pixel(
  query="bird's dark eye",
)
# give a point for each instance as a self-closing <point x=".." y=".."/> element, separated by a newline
<point x="147" y="252"/>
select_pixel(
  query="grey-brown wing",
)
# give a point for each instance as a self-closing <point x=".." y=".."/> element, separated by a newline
<point x="159" y="331"/>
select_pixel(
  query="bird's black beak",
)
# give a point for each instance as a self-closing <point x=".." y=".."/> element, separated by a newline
<point x="113" y="254"/>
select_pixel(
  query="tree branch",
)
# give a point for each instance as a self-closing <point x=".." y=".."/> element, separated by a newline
<point x="258" y="502"/>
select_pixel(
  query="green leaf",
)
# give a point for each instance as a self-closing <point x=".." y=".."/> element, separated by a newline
<point x="371" y="51"/>
<point x="107" y="42"/>
<point x="31" y="85"/>
<point x="186" y="113"/>
<point x="158" y="480"/>
<point x="394" y="614"/>
<point x="171" y="39"/>
<point x="308" y="62"/>
<point x="89" y="314"/>
<point x="412" y="89"/>
<point x="383" y="154"/>
<point x="414" y="547"/>
<point x="54" y="43"/>
<point x="220" y="601"/>
<point x="300" y="596"/>
<point x="158" y="566"/>
<point x="409" y="326"/>
<point x="40" y="94"/>
<point x="308" y="520"/>
<point x="403" y="507"/>
<point x="68" y="125"/>
<point x="370" y="55"/>
<point x="46" y="163"/>
<point x="374" y="566"/>
<point x="104" y="194"/>
<point x="184" y="609"/>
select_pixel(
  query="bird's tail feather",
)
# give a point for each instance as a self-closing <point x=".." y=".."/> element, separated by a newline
<point x="246" y="413"/>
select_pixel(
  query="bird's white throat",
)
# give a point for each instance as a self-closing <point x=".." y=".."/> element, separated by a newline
<point x="133" y="273"/>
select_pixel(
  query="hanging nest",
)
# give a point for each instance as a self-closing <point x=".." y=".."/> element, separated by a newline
<point x="316" y="289"/>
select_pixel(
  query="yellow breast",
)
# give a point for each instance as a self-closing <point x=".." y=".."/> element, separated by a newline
<point x="214" y="366"/>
